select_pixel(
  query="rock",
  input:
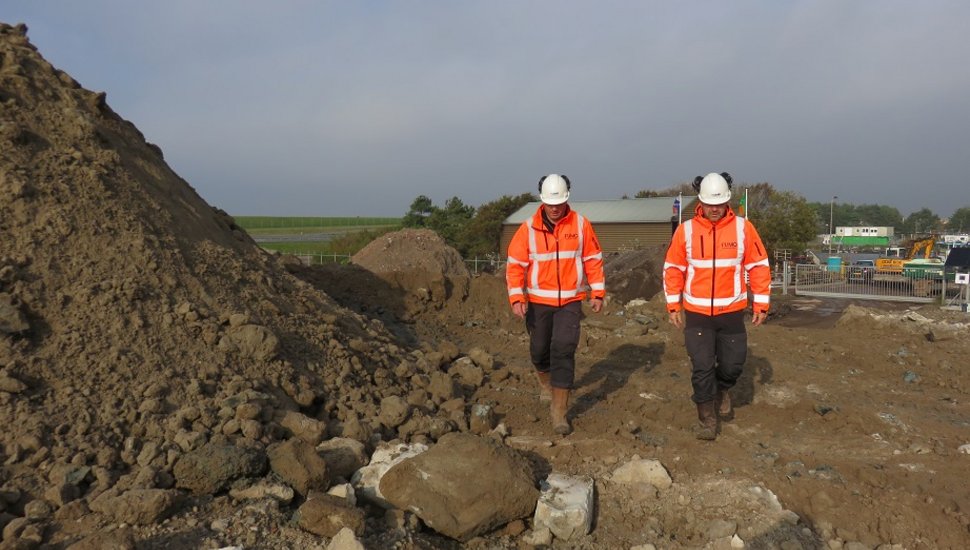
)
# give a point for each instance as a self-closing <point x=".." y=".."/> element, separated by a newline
<point x="298" y="464"/>
<point x="344" y="491"/>
<point x="343" y="456"/>
<point x="345" y="540"/>
<point x="263" y="489"/>
<point x="565" y="506"/>
<point x="212" y="467"/>
<point x="442" y="387"/>
<point x="468" y="373"/>
<point x="38" y="510"/>
<point x="308" y="429"/>
<point x="482" y="358"/>
<point x="464" y="486"/>
<point x="366" y="481"/>
<point x="964" y="449"/>
<point x="643" y="471"/>
<point x="394" y="411"/>
<point x="189" y="441"/>
<point x="326" y="515"/>
<point x="482" y="419"/>
<point x="137" y="506"/>
<point x="539" y="537"/>
<point x="10" y="384"/>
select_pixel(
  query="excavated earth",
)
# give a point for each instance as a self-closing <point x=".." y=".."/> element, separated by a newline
<point x="142" y="332"/>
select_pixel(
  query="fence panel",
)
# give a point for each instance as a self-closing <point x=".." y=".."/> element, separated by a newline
<point x="866" y="283"/>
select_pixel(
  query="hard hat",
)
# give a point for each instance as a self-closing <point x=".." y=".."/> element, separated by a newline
<point x="714" y="189"/>
<point x="554" y="189"/>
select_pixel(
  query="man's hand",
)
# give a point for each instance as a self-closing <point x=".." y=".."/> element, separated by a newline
<point x="676" y="318"/>
<point x="759" y="317"/>
<point x="518" y="308"/>
<point x="596" y="304"/>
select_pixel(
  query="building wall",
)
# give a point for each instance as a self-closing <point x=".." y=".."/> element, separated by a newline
<point x="613" y="237"/>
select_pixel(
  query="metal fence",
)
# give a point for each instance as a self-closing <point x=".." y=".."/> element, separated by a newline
<point x="865" y="283"/>
<point x="485" y="265"/>
<point x="317" y="258"/>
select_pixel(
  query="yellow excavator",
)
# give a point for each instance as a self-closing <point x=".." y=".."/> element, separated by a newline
<point x="894" y="266"/>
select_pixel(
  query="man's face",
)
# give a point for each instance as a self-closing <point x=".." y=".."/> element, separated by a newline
<point x="714" y="212"/>
<point x="556" y="212"/>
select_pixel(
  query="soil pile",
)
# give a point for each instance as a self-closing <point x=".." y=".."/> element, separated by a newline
<point x="635" y="274"/>
<point x="138" y="324"/>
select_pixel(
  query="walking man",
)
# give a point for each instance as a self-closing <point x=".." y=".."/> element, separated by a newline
<point x="704" y="272"/>
<point x="553" y="258"/>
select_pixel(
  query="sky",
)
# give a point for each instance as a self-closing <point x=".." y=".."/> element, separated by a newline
<point x="355" y="108"/>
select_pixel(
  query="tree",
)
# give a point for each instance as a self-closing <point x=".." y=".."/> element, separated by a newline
<point x="450" y="220"/>
<point x="421" y="209"/>
<point x="683" y="188"/>
<point x="921" y="222"/>
<point x="785" y="220"/>
<point x="481" y="236"/>
<point x="959" y="222"/>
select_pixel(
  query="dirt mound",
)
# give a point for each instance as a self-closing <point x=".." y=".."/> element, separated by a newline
<point x="139" y="323"/>
<point x="635" y="274"/>
<point x="411" y="250"/>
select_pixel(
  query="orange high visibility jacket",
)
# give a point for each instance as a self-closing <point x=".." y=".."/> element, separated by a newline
<point x="706" y="265"/>
<point x="555" y="268"/>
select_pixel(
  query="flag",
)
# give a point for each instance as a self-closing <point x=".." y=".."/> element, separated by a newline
<point x="741" y="206"/>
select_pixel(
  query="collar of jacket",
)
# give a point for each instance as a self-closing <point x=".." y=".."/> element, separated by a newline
<point x="706" y="223"/>
<point x="537" y="218"/>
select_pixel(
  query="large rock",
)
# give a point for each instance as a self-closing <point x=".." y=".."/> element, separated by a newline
<point x="137" y="506"/>
<point x="343" y="456"/>
<point x="367" y="480"/>
<point x="298" y="464"/>
<point x="463" y="486"/>
<point x="565" y="506"/>
<point x="212" y="467"/>
<point x="326" y="515"/>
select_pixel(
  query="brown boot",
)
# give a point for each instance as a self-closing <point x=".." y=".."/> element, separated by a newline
<point x="725" y="411"/>
<point x="545" y="386"/>
<point x="707" y="415"/>
<point x="557" y="410"/>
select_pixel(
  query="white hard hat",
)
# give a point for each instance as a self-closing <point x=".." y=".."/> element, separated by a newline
<point x="714" y="188"/>
<point x="554" y="189"/>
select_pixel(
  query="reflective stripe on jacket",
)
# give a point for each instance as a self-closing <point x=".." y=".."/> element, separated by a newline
<point x="555" y="268"/>
<point x="706" y="265"/>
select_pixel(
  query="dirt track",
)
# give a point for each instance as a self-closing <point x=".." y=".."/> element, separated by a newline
<point x="143" y="333"/>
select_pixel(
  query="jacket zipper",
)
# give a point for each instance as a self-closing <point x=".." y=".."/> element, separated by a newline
<point x="713" y="263"/>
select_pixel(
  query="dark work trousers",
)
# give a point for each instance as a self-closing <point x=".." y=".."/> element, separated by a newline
<point x="717" y="346"/>
<point x="553" y="337"/>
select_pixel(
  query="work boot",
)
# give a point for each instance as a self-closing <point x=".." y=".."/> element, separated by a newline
<point x="545" y="386"/>
<point x="560" y="402"/>
<point x="707" y="415"/>
<point x="725" y="411"/>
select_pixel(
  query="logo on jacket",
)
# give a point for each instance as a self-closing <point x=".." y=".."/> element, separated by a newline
<point x="729" y="244"/>
<point x="576" y="236"/>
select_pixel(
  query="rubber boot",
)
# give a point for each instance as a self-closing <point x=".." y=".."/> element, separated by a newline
<point x="560" y="402"/>
<point x="725" y="411"/>
<point x="545" y="386"/>
<point x="707" y="415"/>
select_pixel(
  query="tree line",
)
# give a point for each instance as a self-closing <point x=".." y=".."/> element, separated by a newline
<point x="785" y="219"/>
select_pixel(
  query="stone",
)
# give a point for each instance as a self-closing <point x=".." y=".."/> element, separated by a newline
<point x="137" y="506"/>
<point x="343" y="456"/>
<point x="539" y="537"/>
<point x="366" y="480"/>
<point x="482" y="419"/>
<point x="254" y="341"/>
<point x="345" y="539"/>
<point x="326" y="515"/>
<point x="394" y="411"/>
<point x="212" y="467"/>
<point x="344" y="491"/>
<point x="643" y="471"/>
<point x="481" y="358"/>
<point x="464" y="486"/>
<point x="301" y="426"/>
<point x="467" y="372"/>
<point x="298" y="465"/>
<point x="263" y="489"/>
<point x="565" y="506"/>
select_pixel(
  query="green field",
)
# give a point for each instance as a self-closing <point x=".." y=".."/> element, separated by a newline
<point x="311" y="222"/>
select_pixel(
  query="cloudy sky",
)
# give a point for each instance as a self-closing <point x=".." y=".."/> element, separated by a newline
<point x="345" y="108"/>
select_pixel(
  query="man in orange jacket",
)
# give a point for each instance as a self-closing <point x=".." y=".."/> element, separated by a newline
<point x="704" y="271"/>
<point x="553" y="258"/>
